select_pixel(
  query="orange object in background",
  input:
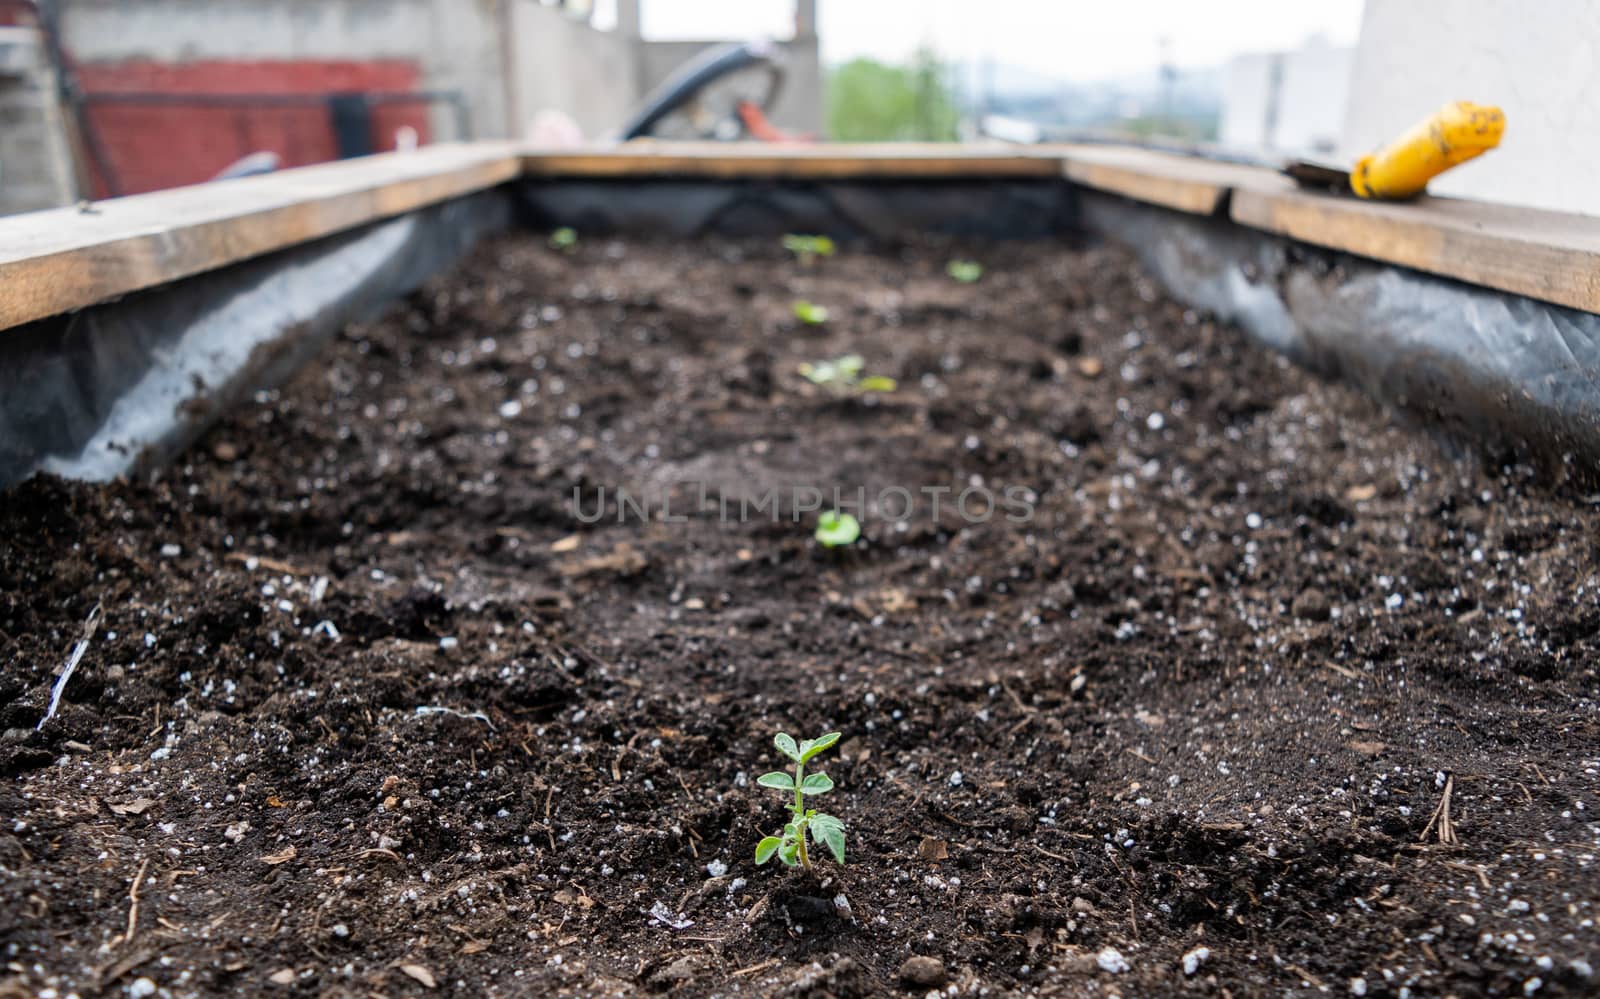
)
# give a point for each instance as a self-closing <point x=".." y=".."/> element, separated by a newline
<point x="756" y="123"/>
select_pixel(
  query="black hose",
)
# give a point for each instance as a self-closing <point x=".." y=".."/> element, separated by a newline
<point x="698" y="73"/>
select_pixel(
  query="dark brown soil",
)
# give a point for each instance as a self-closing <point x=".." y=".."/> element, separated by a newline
<point x="1207" y="696"/>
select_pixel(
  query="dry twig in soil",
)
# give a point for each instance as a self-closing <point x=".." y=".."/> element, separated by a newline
<point x="1441" y="816"/>
<point x="133" y="902"/>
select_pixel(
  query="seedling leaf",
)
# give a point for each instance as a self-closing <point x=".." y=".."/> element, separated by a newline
<point x="833" y="837"/>
<point x="808" y="247"/>
<point x="817" y="784"/>
<point x="829" y="831"/>
<point x="766" y="848"/>
<point x="810" y="313"/>
<point x="786" y="746"/>
<point x="777" y="780"/>
<point x="564" y="239"/>
<point x="812" y="747"/>
<point x="820" y="374"/>
<point x="843" y="374"/>
<point x="835" y="529"/>
<point x="789" y="853"/>
<point x="965" y="271"/>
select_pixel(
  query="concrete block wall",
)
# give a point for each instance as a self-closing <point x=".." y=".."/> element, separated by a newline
<point x="35" y="163"/>
<point x="559" y="62"/>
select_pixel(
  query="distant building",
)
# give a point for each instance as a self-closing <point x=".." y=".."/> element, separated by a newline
<point x="1280" y="104"/>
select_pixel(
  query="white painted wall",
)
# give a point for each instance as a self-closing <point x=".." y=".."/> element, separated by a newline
<point x="1537" y="59"/>
<point x="1286" y="103"/>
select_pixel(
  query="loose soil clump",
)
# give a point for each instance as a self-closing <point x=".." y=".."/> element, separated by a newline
<point x="1238" y="689"/>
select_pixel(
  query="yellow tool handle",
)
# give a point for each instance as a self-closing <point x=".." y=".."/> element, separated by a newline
<point x="1453" y="134"/>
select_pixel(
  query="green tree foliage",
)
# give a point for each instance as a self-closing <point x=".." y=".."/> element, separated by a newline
<point x="871" y="102"/>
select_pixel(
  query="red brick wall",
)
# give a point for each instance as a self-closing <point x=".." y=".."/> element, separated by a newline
<point x="158" y="146"/>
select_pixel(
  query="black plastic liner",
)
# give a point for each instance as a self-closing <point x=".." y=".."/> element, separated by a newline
<point x="120" y="388"/>
<point x="1515" y="376"/>
<point x="881" y="211"/>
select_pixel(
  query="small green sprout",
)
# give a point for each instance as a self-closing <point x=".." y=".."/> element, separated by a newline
<point x="843" y="376"/>
<point x="835" y="529"/>
<point x="808" y="248"/>
<point x="965" y="271"/>
<point x="564" y="239"/>
<point x="790" y="848"/>
<point x="810" y="313"/>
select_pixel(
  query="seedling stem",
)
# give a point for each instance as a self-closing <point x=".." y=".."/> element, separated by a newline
<point x="790" y="847"/>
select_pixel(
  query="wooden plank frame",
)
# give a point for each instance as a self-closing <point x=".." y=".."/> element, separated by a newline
<point x="66" y="259"/>
<point x="1183" y="183"/>
<point x="1549" y="256"/>
<point x="63" y="260"/>
<point x="765" y="161"/>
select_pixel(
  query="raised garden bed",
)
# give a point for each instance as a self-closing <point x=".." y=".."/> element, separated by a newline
<point x="369" y="708"/>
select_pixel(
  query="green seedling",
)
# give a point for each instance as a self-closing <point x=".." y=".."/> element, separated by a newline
<point x="790" y="847"/>
<point x="965" y="271"/>
<point x="843" y="376"/>
<point x="835" y="529"/>
<point x="810" y="313"/>
<point x="808" y="248"/>
<point x="564" y="239"/>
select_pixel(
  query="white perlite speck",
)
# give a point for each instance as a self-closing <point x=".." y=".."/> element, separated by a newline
<point x="1194" y="959"/>
<point x="1111" y="960"/>
<point x="716" y="868"/>
<point x="139" y="988"/>
<point x="666" y="917"/>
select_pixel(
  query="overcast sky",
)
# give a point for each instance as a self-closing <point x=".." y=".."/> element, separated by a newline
<point x="1069" y="39"/>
